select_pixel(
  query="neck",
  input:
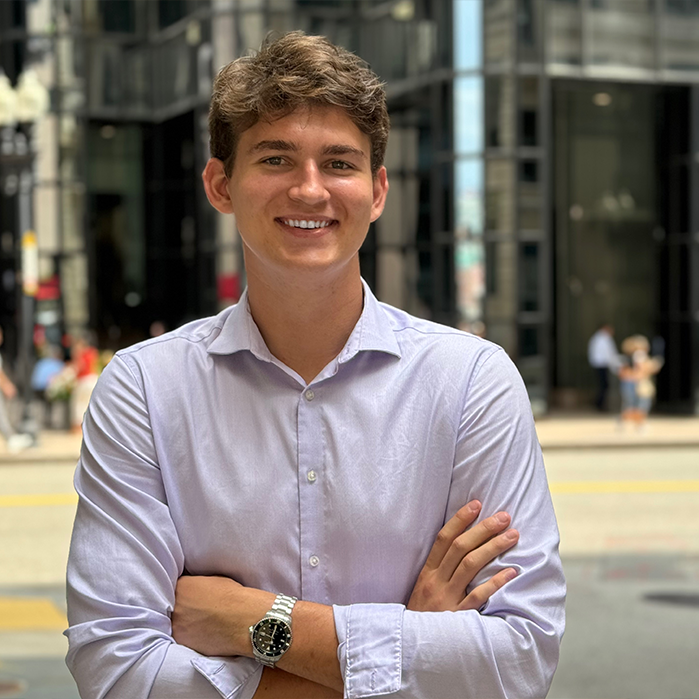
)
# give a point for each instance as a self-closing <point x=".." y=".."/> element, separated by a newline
<point x="306" y="322"/>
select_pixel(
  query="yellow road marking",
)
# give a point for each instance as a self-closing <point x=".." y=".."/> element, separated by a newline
<point x="38" y="500"/>
<point x="592" y="487"/>
<point x="30" y="614"/>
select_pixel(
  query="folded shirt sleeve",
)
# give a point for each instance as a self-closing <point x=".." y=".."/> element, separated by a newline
<point x="509" y="648"/>
<point x="124" y="562"/>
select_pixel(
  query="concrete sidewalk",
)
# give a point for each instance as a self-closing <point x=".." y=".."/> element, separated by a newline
<point x="556" y="431"/>
<point x="54" y="445"/>
<point x="581" y="431"/>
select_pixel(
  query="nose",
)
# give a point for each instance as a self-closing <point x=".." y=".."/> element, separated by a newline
<point x="308" y="186"/>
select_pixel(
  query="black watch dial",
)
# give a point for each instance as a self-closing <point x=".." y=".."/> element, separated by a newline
<point x="272" y="637"/>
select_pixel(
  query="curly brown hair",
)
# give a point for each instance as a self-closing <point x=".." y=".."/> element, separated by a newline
<point x="292" y="71"/>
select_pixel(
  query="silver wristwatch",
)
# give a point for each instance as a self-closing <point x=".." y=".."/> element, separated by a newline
<point x="271" y="635"/>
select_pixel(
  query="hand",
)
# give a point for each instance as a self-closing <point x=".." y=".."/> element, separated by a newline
<point x="457" y="556"/>
<point x="212" y="614"/>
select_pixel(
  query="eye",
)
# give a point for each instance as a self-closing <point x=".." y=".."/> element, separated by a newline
<point x="340" y="165"/>
<point x="273" y="160"/>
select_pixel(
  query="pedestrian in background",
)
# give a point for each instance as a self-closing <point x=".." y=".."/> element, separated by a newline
<point x="15" y="442"/>
<point x="85" y="360"/>
<point x="603" y="357"/>
<point x="637" y="380"/>
<point x="47" y="367"/>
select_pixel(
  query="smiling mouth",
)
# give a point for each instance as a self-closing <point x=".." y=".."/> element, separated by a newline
<point x="305" y="224"/>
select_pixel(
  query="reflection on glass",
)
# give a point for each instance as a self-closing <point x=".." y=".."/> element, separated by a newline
<point x="74" y="276"/>
<point x="105" y="75"/>
<point x="73" y="210"/>
<point x="501" y="294"/>
<point x="529" y="277"/>
<point x="176" y="71"/>
<point x="528" y="29"/>
<point x="467" y="34"/>
<point x="499" y="16"/>
<point x="529" y="171"/>
<point x="470" y="279"/>
<point x="679" y="31"/>
<point x="529" y="208"/>
<point x="529" y="341"/>
<point x="397" y="49"/>
<point x="469" y="198"/>
<point x="530" y="200"/>
<point x="498" y="112"/>
<point x="501" y="277"/>
<point x="528" y="111"/>
<point x="469" y="254"/>
<point x="468" y="114"/>
<point x="498" y="195"/>
<point x="622" y="33"/>
<point x="564" y="32"/>
<point x="608" y="191"/>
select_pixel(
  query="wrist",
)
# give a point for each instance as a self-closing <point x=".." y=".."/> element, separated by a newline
<point x="271" y="636"/>
<point x="250" y="609"/>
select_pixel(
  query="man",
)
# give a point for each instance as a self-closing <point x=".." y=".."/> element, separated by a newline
<point x="603" y="358"/>
<point x="288" y="500"/>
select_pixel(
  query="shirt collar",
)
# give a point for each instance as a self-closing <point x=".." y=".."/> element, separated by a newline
<point x="372" y="333"/>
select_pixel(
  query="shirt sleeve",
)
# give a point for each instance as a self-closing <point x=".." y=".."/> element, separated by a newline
<point x="508" y="648"/>
<point x="124" y="562"/>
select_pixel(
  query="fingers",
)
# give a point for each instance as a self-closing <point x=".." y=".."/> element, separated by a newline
<point x="467" y="545"/>
<point x="481" y="594"/>
<point x="450" y="531"/>
<point x="475" y="561"/>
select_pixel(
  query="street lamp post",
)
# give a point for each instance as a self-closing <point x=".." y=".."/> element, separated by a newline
<point x="20" y="109"/>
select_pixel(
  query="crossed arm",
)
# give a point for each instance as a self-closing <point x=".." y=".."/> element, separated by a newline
<point x="212" y="614"/>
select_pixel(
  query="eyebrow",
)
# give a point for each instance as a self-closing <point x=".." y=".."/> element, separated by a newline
<point x="280" y="145"/>
<point x="273" y="145"/>
<point x="343" y="150"/>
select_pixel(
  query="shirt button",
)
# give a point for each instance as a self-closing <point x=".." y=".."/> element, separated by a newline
<point x="312" y="476"/>
<point x="310" y="395"/>
<point x="314" y="561"/>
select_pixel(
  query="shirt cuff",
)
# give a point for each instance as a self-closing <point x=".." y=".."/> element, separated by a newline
<point x="231" y="680"/>
<point x="370" y="648"/>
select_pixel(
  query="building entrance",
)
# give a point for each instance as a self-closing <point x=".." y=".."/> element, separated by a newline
<point x="621" y="207"/>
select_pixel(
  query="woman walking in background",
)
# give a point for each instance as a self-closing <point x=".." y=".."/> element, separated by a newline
<point x="637" y="380"/>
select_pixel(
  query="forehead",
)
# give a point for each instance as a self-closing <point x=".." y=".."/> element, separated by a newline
<point x="308" y="126"/>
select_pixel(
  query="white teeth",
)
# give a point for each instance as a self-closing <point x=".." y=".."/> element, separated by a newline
<point x="306" y="224"/>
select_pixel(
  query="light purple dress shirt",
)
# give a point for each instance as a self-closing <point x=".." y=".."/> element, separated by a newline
<point x="203" y="452"/>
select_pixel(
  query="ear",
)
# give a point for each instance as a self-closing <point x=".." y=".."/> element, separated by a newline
<point x="380" y="192"/>
<point x="216" y="186"/>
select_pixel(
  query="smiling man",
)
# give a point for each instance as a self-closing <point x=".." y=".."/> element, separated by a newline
<point x="289" y="499"/>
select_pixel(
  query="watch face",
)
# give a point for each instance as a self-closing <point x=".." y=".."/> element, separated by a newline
<point x="271" y="637"/>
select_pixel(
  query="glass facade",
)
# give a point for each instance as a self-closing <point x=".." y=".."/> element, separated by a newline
<point x="542" y="160"/>
<point x="120" y="211"/>
<point x="590" y="187"/>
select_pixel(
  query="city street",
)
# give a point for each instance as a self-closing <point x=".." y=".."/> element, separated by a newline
<point x="630" y="545"/>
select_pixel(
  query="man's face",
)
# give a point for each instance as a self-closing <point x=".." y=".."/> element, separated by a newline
<point x="303" y="192"/>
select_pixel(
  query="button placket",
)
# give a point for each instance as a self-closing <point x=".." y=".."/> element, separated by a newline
<point x="311" y="455"/>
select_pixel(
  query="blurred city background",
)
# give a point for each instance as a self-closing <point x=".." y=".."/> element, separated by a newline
<point x="544" y="170"/>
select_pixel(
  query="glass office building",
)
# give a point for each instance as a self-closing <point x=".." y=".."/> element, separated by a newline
<point x="591" y="189"/>
<point x="543" y="168"/>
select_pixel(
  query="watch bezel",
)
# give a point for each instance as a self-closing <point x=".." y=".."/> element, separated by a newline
<point x="279" y="622"/>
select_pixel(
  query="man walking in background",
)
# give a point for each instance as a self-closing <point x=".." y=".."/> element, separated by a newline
<point x="603" y="357"/>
